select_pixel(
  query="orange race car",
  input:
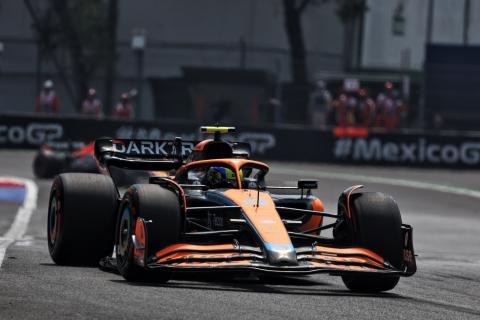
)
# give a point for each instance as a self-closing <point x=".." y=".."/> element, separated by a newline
<point x="207" y="208"/>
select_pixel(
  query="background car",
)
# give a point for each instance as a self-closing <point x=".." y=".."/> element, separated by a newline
<point x="55" y="158"/>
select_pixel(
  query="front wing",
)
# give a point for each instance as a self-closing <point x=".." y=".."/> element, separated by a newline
<point x="314" y="259"/>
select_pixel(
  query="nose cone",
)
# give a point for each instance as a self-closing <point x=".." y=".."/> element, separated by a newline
<point x="281" y="254"/>
<point x="260" y="212"/>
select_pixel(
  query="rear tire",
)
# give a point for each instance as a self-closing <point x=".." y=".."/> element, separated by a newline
<point x="379" y="229"/>
<point x="161" y="207"/>
<point x="46" y="167"/>
<point x="81" y="218"/>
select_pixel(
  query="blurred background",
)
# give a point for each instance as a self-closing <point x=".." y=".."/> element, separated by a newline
<point x="394" y="64"/>
<point x="383" y="93"/>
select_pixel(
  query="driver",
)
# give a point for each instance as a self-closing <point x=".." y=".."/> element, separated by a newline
<point x="220" y="177"/>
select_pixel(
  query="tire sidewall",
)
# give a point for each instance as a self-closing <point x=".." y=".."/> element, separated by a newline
<point x="56" y="193"/>
<point x="85" y="209"/>
<point x="369" y="212"/>
<point x="393" y="251"/>
<point x="128" y="202"/>
<point x="152" y="197"/>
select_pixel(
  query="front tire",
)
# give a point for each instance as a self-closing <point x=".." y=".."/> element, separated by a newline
<point x="81" y="218"/>
<point x="161" y="208"/>
<point x="379" y="229"/>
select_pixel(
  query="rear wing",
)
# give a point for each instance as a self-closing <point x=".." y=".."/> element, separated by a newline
<point x="142" y="154"/>
<point x="155" y="155"/>
<point x="63" y="146"/>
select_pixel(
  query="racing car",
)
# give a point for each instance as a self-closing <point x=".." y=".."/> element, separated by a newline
<point x="213" y="211"/>
<point x="59" y="157"/>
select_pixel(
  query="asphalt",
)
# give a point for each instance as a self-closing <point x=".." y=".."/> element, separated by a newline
<point x="446" y="286"/>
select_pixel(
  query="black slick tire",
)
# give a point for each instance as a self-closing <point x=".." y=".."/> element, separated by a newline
<point x="378" y="228"/>
<point x="161" y="209"/>
<point x="81" y="218"/>
<point x="45" y="167"/>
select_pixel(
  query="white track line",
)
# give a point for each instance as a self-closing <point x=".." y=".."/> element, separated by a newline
<point x="19" y="226"/>
<point x="379" y="180"/>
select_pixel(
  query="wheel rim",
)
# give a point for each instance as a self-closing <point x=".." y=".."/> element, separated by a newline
<point x="54" y="220"/>
<point x="124" y="232"/>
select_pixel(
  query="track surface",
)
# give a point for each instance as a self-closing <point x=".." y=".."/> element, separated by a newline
<point x="446" y="286"/>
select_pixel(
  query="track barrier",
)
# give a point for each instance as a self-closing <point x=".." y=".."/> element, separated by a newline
<point x="338" y="145"/>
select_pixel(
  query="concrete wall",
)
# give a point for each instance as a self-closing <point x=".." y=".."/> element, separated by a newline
<point x="381" y="49"/>
<point x="179" y="33"/>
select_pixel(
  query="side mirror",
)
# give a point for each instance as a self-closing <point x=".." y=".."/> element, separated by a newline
<point x="252" y="183"/>
<point x="307" y="184"/>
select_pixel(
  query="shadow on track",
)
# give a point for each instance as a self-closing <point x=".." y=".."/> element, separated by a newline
<point x="284" y="286"/>
<point x="245" y="282"/>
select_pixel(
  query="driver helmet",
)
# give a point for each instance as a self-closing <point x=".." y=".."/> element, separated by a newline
<point x="220" y="177"/>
